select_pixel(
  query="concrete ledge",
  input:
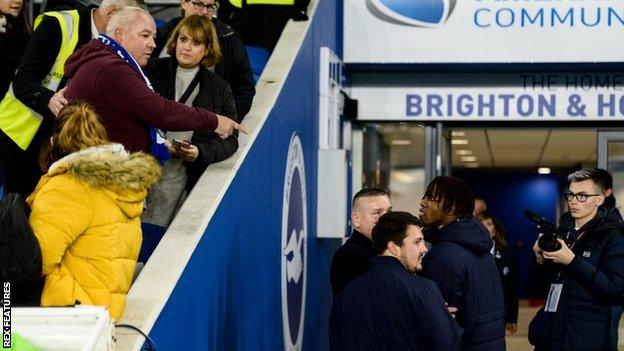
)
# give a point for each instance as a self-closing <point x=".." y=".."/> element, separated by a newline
<point x="151" y="290"/>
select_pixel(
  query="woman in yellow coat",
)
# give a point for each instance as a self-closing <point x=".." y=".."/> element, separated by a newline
<point x="86" y="213"/>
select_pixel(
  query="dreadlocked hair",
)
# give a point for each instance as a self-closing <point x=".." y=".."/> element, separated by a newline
<point x="454" y="195"/>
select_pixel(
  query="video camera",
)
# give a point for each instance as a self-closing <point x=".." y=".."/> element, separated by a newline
<point x="548" y="241"/>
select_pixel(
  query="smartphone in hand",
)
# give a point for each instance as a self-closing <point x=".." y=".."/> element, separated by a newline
<point x="177" y="143"/>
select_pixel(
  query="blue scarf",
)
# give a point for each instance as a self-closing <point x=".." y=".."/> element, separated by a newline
<point x="158" y="148"/>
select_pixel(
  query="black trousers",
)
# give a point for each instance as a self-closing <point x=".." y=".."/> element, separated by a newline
<point x="21" y="167"/>
<point x="258" y="25"/>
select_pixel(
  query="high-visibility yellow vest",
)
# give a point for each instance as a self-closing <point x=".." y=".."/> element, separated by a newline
<point x="18" y="121"/>
<point x="239" y="3"/>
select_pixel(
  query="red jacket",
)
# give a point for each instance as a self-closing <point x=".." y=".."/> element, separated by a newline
<point x="125" y="103"/>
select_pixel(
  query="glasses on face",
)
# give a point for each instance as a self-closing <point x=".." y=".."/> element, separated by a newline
<point x="580" y="197"/>
<point x="198" y="5"/>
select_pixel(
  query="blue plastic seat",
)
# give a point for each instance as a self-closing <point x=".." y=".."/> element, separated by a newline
<point x="258" y="58"/>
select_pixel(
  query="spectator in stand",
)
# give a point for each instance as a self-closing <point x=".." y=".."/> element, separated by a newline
<point x="353" y="258"/>
<point x="507" y="265"/>
<point x="14" y="35"/>
<point x="85" y="212"/>
<point x="261" y="22"/>
<point x="38" y="86"/>
<point x="185" y="77"/>
<point x="234" y="64"/>
<point x="107" y="73"/>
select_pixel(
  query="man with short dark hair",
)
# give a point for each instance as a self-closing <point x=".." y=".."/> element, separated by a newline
<point x="461" y="263"/>
<point x="587" y="272"/>
<point x="389" y="307"/>
<point x="352" y="258"/>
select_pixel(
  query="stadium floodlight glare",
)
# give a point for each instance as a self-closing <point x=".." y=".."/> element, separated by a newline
<point x="543" y="170"/>
<point x="401" y="142"/>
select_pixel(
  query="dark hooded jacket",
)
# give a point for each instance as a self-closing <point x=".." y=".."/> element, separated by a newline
<point x="461" y="264"/>
<point x="389" y="308"/>
<point x="592" y="284"/>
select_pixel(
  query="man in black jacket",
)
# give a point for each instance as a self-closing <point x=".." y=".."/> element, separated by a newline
<point x="389" y="307"/>
<point x="352" y="259"/>
<point x="587" y="272"/>
<point x="21" y="166"/>
<point x="461" y="263"/>
<point x="234" y="65"/>
<point x="610" y="203"/>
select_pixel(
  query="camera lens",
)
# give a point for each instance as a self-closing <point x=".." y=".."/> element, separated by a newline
<point x="548" y="243"/>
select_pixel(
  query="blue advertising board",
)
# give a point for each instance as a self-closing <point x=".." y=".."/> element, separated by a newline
<point x="259" y="278"/>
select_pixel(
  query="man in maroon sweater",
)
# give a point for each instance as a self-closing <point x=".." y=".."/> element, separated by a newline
<point x="107" y="78"/>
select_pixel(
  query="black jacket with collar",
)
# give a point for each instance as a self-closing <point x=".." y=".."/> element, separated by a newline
<point x="234" y="65"/>
<point x="214" y="95"/>
<point x="38" y="58"/>
<point x="506" y="263"/>
<point x="351" y="260"/>
<point x="610" y="203"/>
<point x="592" y="284"/>
<point x="390" y="308"/>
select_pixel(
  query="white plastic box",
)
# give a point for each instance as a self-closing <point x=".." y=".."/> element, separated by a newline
<point x="81" y="328"/>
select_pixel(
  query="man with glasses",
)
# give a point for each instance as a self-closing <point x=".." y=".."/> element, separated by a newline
<point x="586" y="273"/>
<point x="234" y="65"/>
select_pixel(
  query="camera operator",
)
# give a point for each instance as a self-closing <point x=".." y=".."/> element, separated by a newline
<point x="588" y="272"/>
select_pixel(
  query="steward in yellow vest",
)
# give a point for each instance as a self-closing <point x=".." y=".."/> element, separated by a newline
<point x="33" y="99"/>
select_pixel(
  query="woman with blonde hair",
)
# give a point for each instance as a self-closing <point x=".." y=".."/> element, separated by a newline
<point x="186" y="76"/>
<point x="85" y="212"/>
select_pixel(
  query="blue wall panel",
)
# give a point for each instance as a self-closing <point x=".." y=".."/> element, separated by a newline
<point x="229" y="296"/>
